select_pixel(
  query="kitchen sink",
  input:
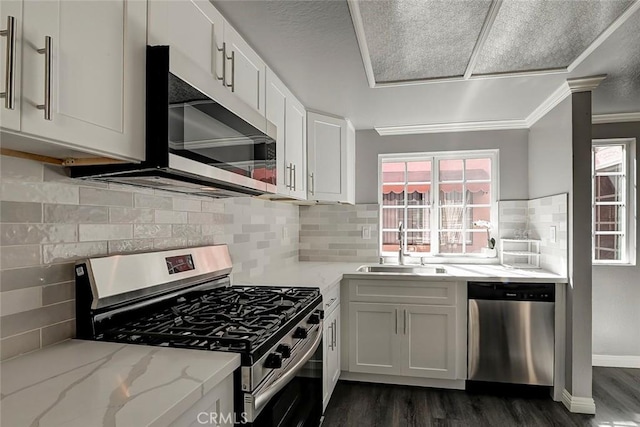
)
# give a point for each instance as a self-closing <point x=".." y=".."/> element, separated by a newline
<point x="402" y="269"/>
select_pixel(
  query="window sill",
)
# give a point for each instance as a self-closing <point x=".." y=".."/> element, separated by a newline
<point x="390" y="258"/>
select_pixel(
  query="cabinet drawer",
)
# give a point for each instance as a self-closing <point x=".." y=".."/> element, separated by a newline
<point x="331" y="300"/>
<point x="403" y="291"/>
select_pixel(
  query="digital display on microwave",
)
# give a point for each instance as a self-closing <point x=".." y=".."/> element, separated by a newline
<point x="180" y="264"/>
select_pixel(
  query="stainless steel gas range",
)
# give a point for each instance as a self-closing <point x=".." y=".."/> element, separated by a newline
<point x="183" y="298"/>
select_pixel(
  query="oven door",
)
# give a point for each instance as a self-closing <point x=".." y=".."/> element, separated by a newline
<point x="292" y="396"/>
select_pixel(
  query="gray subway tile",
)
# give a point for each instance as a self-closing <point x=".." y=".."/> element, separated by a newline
<point x="21" y="234"/>
<point x="18" y="169"/>
<point x="27" y="320"/>
<point x="170" y="243"/>
<point x="189" y="231"/>
<point x="20" y="300"/>
<point x="40" y="275"/>
<point x="130" y="245"/>
<point x="60" y="292"/>
<point x="152" y="201"/>
<point x="100" y="232"/>
<point x="200" y="218"/>
<point x="102" y="197"/>
<point x="58" y="332"/>
<point x="44" y="192"/>
<point x="170" y="217"/>
<point x="73" y="214"/>
<point x="144" y="231"/>
<point x="130" y="215"/>
<point x="20" y="256"/>
<point x="184" y="204"/>
<point x="19" y="344"/>
<point x="71" y="251"/>
<point x="21" y="212"/>
<point x="215" y="206"/>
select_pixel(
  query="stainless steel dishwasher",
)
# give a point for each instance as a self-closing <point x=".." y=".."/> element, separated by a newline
<point x="511" y="332"/>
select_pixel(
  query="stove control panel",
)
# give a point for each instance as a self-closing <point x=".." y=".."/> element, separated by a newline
<point x="300" y="333"/>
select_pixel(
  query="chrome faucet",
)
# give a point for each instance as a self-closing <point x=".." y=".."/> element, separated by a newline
<point x="401" y="239"/>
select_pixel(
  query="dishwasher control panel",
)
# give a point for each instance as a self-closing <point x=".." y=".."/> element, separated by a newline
<point x="544" y="292"/>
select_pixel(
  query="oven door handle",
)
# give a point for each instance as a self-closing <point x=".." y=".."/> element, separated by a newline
<point x="263" y="398"/>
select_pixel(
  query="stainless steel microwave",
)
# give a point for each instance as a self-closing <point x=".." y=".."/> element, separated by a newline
<point x="194" y="144"/>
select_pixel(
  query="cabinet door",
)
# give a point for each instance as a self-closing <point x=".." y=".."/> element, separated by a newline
<point x="245" y="70"/>
<point x="97" y="70"/>
<point x="296" y="146"/>
<point x="331" y="356"/>
<point x="327" y="158"/>
<point x="192" y="27"/>
<point x="374" y="339"/>
<point x="276" y="110"/>
<point x="10" y="117"/>
<point x="430" y="341"/>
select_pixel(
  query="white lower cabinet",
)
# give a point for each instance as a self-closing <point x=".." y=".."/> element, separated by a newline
<point x="331" y="342"/>
<point x="215" y="408"/>
<point x="400" y="337"/>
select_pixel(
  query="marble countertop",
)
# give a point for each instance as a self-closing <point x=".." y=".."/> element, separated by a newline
<point x="326" y="275"/>
<point x="91" y="383"/>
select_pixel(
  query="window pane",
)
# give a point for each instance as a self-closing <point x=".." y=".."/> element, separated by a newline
<point x="450" y="242"/>
<point x="419" y="171"/>
<point x="450" y="170"/>
<point x="390" y="242"/>
<point x="476" y="240"/>
<point x="418" y="241"/>
<point x="609" y="217"/>
<point x="609" y="158"/>
<point x="478" y="214"/>
<point x="479" y="193"/>
<point x="451" y="194"/>
<point x="393" y="195"/>
<point x="451" y="218"/>
<point x="608" y="247"/>
<point x="418" y="219"/>
<point x="391" y="217"/>
<point x="419" y="194"/>
<point x="609" y="188"/>
<point x="477" y="169"/>
<point x="393" y="172"/>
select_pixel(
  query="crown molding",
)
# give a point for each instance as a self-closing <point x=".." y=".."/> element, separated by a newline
<point x="616" y="118"/>
<point x="451" y="127"/>
<point x="585" y="84"/>
<point x="548" y="104"/>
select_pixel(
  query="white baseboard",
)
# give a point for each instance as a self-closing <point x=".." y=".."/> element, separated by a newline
<point x="578" y="405"/>
<point x="616" y="361"/>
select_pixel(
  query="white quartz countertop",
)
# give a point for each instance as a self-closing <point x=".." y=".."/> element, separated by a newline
<point x="325" y="275"/>
<point x="91" y="383"/>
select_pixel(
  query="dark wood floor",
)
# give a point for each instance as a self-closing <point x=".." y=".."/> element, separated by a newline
<point x="616" y="392"/>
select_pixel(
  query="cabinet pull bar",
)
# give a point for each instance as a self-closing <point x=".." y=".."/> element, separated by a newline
<point x="218" y="50"/>
<point x="47" y="52"/>
<point x="10" y="63"/>
<point x="405" y="322"/>
<point x="312" y="186"/>
<point x="334" y="334"/>
<point x="293" y="166"/>
<point x="396" y="311"/>
<point x="233" y="70"/>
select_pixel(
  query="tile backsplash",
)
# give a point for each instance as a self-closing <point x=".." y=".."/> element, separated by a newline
<point x="537" y="216"/>
<point x="334" y="233"/>
<point x="49" y="221"/>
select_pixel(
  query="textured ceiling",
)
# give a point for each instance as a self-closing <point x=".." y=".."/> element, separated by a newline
<point x="541" y="34"/>
<point x="408" y="41"/>
<point x="312" y="47"/>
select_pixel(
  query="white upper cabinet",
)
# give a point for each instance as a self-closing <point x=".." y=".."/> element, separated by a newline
<point x="245" y="71"/>
<point x="289" y="116"/>
<point x="82" y="75"/>
<point x="331" y="159"/>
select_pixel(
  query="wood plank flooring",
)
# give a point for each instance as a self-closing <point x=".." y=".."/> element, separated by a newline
<point x="616" y="392"/>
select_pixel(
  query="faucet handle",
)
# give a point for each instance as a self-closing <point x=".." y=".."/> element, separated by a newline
<point x="400" y="227"/>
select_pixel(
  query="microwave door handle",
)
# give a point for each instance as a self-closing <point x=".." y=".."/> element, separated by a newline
<point x="263" y="398"/>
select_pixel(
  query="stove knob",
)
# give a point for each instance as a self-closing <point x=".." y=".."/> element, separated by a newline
<point x="284" y="350"/>
<point x="314" y="319"/>
<point x="273" y="361"/>
<point x="300" y="333"/>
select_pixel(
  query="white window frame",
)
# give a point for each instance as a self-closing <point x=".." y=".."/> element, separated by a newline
<point x="630" y="206"/>
<point x="434" y="157"/>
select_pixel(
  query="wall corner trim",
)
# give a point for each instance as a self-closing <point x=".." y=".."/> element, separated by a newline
<point x="451" y="127"/>
<point x="616" y="361"/>
<point x="578" y="405"/>
<point x="616" y="118"/>
<point x="585" y="84"/>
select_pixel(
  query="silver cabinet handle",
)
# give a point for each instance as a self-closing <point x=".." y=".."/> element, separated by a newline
<point x="9" y="78"/>
<point x="47" y="52"/>
<point x="335" y="333"/>
<point x="216" y="51"/>
<point x="396" y="311"/>
<point x="405" y="322"/>
<point x="331" y="346"/>
<point x="293" y="166"/>
<point x="312" y="186"/>
<point x="232" y="58"/>
<point x="289" y="173"/>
